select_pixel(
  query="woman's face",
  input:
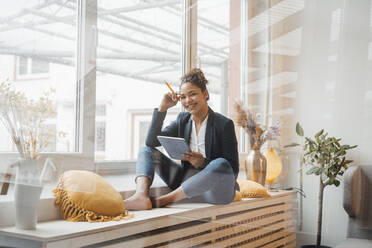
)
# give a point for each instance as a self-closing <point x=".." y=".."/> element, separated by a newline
<point x="192" y="98"/>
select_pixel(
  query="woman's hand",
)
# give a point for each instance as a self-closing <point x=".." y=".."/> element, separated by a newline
<point x="195" y="158"/>
<point x="169" y="100"/>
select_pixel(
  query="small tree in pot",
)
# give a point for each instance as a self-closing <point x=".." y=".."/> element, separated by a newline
<point x="327" y="158"/>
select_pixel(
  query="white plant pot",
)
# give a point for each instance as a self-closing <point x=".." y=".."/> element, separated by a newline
<point x="27" y="194"/>
<point x="26" y="198"/>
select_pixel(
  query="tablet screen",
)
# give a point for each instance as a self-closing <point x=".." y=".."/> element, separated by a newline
<point x="174" y="146"/>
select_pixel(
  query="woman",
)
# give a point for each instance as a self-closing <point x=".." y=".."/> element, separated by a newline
<point x="209" y="172"/>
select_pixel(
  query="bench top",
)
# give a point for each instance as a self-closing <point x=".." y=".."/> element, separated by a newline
<point x="57" y="231"/>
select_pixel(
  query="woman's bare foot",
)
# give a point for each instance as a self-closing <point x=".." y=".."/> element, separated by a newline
<point x="158" y="202"/>
<point x="171" y="197"/>
<point x="138" y="202"/>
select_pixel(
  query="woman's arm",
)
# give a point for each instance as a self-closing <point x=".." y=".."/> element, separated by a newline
<point x="156" y="126"/>
<point x="169" y="100"/>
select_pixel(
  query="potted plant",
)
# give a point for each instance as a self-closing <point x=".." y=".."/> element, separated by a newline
<point x="327" y="158"/>
<point x="24" y="119"/>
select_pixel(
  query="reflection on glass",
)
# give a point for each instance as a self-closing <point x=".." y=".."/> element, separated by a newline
<point x="311" y="63"/>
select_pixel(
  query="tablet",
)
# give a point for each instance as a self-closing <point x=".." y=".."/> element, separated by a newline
<point x="174" y="146"/>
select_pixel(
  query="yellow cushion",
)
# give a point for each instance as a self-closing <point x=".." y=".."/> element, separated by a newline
<point x="237" y="197"/>
<point x="251" y="189"/>
<point x="86" y="196"/>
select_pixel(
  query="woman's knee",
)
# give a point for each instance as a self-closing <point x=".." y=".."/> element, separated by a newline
<point x="222" y="161"/>
<point x="220" y="165"/>
<point x="146" y="150"/>
<point x="215" y="197"/>
<point x="226" y="200"/>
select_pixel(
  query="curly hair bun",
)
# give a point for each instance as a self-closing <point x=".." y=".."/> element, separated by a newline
<point x="196" y="77"/>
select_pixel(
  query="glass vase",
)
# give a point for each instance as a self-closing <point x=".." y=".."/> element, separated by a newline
<point x="274" y="166"/>
<point x="255" y="166"/>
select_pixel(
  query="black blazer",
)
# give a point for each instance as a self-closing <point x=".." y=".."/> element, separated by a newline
<point x="220" y="139"/>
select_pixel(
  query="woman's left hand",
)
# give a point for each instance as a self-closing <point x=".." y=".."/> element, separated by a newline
<point x="195" y="158"/>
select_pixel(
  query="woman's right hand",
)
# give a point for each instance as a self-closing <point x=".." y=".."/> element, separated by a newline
<point x="169" y="100"/>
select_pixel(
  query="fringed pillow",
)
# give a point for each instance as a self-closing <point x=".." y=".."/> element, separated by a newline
<point x="237" y="197"/>
<point x="86" y="196"/>
<point x="251" y="189"/>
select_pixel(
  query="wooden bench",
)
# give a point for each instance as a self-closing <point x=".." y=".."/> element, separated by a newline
<point x="260" y="222"/>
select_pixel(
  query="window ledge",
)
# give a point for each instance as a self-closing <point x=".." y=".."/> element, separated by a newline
<point x="180" y="219"/>
<point x="124" y="184"/>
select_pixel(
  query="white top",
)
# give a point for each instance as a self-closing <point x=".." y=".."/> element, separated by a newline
<point x="197" y="141"/>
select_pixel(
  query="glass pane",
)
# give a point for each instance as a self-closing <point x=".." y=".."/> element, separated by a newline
<point x="23" y="65"/>
<point x="213" y="49"/>
<point x="311" y="63"/>
<point x="100" y="110"/>
<point x="139" y="49"/>
<point x="40" y="66"/>
<point x="37" y="53"/>
<point x="274" y="40"/>
<point x="100" y="136"/>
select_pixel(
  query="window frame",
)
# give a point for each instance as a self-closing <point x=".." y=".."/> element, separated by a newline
<point x="244" y="64"/>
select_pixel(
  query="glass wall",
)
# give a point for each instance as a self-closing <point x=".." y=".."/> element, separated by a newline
<point x="310" y="62"/>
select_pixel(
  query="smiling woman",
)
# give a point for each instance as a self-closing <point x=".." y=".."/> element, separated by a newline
<point x="208" y="173"/>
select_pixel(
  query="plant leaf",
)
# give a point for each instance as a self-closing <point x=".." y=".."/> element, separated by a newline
<point x="313" y="170"/>
<point x="291" y="145"/>
<point x="319" y="133"/>
<point x="348" y="161"/>
<point x="330" y="181"/>
<point x="299" y="130"/>
<point x="352" y="147"/>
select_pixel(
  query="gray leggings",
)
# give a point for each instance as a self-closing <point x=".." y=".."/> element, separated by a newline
<point x="214" y="184"/>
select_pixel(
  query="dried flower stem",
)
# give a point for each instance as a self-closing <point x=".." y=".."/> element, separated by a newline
<point x="247" y="120"/>
<point x="24" y="119"/>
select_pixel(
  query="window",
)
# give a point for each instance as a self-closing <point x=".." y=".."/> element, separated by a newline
<point x="100" y="136"/>
<point x="100" y="140"/>
<point x="271" y="46"/>
<point x="38" y="52"/>
<point x="139" y="49"/>
<point x="126" y="51"/>
<point x="213" y="32"/>
<point x="139" y="122"/>
<point x="27" y="68"/>
<point x="51" y="129"/>
<point x="23" y="67"/>
<point x="39" y="66"/>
